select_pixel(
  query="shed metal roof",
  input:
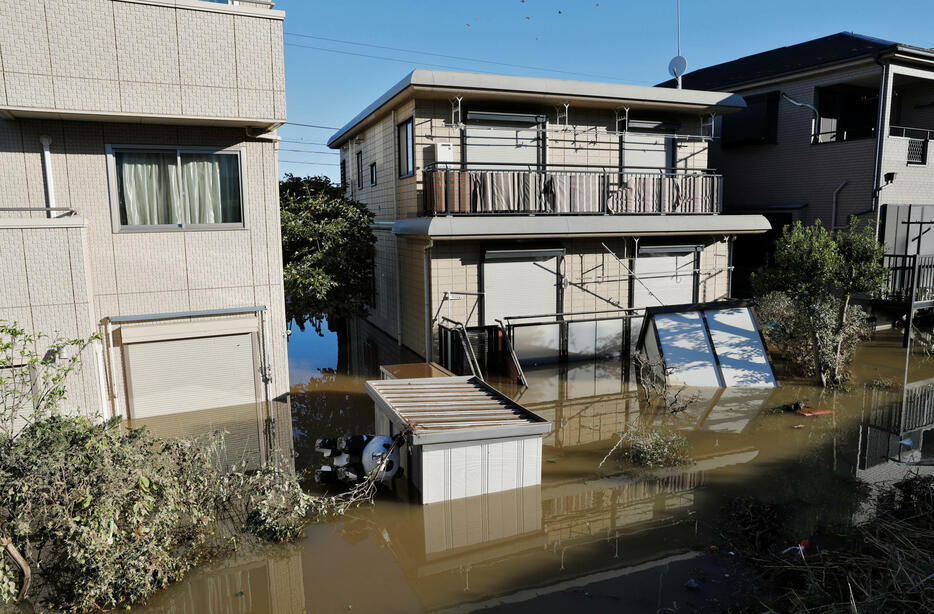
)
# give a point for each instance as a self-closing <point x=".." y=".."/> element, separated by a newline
<point x="547" y="89"/>
<point x="453" y="409"/>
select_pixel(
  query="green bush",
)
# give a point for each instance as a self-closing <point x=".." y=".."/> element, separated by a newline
<point x="107" y="515"/>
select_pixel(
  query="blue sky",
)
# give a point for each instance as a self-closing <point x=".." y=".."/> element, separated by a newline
<point x="605" y="40"/>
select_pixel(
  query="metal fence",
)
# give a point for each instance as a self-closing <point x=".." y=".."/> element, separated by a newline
<point x="910" y="277"/>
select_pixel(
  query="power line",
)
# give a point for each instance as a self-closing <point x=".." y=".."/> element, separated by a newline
<point x="300" y="141"/>
<point x="450" y="57"/>
<point x="310" y="126"/>
<point x="312" y="163"/>
<point x="373" y="57"/>
<point x="309" y="151"/>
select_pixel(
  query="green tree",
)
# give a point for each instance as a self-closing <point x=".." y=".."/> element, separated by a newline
<point x="807" y="293"/>
<point x="328" y="250"/>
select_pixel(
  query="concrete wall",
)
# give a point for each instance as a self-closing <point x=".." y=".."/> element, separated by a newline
<point x="142" y="58"/>
<point x="133" y="273"/>
<point x="794" y="170"/>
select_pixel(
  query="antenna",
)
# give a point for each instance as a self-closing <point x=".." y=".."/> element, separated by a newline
<point x="678" y="64"/>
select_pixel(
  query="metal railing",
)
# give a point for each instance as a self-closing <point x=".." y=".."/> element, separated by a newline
<point x="918" y="139"/>
<point x="911" y="133"/>
<point x="910" y="277"/>
<point x="568" y="189"/>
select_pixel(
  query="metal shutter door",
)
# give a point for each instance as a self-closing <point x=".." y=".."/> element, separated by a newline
<point x="183" y="375"/>
<point x="520" y="286"/>
<point x="669" y="277"/>
<point x="513" y="144"/>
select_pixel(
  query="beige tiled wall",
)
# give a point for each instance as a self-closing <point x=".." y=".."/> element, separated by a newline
<point x="139" y="57"/>
<point x="134" y="273"/>
<point x="45" y="289"/>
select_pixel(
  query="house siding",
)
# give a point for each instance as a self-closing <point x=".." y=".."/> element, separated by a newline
<point x="795" y="171"/>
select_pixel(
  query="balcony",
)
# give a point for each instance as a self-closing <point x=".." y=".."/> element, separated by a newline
<point x="568" y="190"/>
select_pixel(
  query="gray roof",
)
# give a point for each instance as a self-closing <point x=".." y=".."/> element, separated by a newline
<point x="824" y="51"/>
<point x="539" y="87"/>
<point x="453" y="409"/>
<point x="506" y="226"/>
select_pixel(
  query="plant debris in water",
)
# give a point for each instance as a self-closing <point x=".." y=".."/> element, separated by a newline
<point x="883" y="564"/>
<point x="652" y="448"/>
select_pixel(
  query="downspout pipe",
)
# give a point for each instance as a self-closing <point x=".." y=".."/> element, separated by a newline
<point x="428" y="324"/>
<point x="46" y="142"/>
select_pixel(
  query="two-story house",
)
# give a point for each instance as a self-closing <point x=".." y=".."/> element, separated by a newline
<point x="834" y="127"/>
<point x="556" y="208"/>
<point x="139" y="200"/>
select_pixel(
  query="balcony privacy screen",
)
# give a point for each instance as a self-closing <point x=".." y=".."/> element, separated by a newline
<point x="474" y="191"/>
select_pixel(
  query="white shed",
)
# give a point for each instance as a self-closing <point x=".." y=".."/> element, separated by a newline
<point x="465" y="438"/>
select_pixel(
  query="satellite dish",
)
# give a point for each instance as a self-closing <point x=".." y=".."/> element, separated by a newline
<point x="677" y="66"/>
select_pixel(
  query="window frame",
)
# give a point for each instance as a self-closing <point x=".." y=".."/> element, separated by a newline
<point x="373" y="176"/>
<point x="112" y="149"/>
<point x="359" y="162"/>
<point x="409" y="125"/>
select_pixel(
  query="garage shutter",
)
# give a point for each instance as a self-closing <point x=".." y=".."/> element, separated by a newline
<point x="520" y="283"/>
<point x="183" y="375"/>
<point x="502" y="143"/>
<point x="668" y="275"/>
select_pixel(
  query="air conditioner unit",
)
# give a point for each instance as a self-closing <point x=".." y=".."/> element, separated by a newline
<point x="444" y="152"/>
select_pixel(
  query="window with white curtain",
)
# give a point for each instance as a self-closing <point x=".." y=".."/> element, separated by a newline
<point x="178" y="188"/>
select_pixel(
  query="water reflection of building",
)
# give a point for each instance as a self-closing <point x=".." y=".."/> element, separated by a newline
<point x="580" y="523"/>
<point x="260" y="582"/>
<point x="896" y="433"/>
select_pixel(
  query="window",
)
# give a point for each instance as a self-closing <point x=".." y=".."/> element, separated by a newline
<point x="846" y="112"/>
<point x="406" y="147"/>
<point x="344" y="175"/>
<point x="177" y="188"/>
<point x="359" y="169"/>
<point x="373" y="173"/>
<point x="757" y="123"/>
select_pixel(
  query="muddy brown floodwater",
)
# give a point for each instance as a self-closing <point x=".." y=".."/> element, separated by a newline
<point x="610" y="538"/>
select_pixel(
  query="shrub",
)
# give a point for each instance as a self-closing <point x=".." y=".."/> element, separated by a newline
<point x="106" y="515"/>
<point x="656" y="448"/>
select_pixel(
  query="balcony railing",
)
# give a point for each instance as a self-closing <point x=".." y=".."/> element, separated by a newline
<point x="568" y="190"/>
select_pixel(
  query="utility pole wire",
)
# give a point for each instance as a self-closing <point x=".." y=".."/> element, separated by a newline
<point x="439" y="55"/>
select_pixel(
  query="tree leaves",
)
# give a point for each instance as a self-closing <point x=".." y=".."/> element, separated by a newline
<point x="328" y="251"/>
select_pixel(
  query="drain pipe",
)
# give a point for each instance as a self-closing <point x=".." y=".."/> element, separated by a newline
<point x="833" y="216"/>
<point x="109" y="333"/>
<point x="428" y="325"/>
<point x="46" y="141"/>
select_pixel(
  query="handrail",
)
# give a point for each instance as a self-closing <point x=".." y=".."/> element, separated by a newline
<point x="468" y="347"/>
<point x="534" y="166"/>
<point x="67" y="210"/>
<point x="512" y="354"/>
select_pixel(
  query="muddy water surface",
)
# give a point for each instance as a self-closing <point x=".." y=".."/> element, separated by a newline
<point x="607" y="538"/>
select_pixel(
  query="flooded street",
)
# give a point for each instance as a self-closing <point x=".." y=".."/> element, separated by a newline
<point x="608" y="538"/>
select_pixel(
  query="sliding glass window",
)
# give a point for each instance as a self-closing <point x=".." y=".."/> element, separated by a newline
<point x="177" y="189"/>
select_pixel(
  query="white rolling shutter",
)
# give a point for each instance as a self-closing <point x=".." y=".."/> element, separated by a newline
<point x="499" y="143"/>
<point x="184" y="375"/>
<point x="664" y="278"/>
<point x="519" y="284"/>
